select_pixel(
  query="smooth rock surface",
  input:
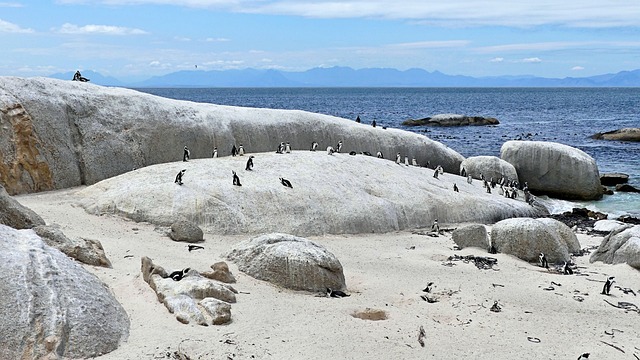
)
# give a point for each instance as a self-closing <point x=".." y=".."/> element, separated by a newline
<point x="612" y="179"/>
<point x="608" y="225"/>
<point x="337" y="194"/>
<point x="452" y="120"/>
<point x="187" y="231"/>
<point x="526" y="238"/>
<point x="625" y="134"/>
<point x="622" y="245"/>
<point x="490" y="167"/>
<point x="67" y="133"/>
<point x="51" y="306"/>
<point x="289" y="261"/>
<point x="14" y="215"/>
<point x="87" y="251"/>
<point x="566" y="234"/>
<point x="474" y="235"/>
<point x="554" y="169"/>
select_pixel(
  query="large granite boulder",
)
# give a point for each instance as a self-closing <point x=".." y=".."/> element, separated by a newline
<point x="526" y="238"/>
<point x="14" y="214"/>
<point x="608" y="225"/>
<point x="192" y="298"/>
<point x="491" y="167"/>
<point x="474" y="235"/>
<point x="50" y="306"/>
<point x="625" y="134"/>
<point x="289" y="261"/>
<point x="622" y="245"/>
<point x="554" y="169"/>
<point x="452" y="120"/>
<point x="86" y="251"/>
<point x="187" y="231"/>
<point x="566" y="234"/>
<point x="66" y="133"/>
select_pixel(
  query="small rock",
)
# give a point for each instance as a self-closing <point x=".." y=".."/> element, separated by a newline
<point x="184" y="230"/>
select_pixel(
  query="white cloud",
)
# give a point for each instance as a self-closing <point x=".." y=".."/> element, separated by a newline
<point x="497" y="59"/>
<point x="431" y="44"/>
<point x="181" y="38"/>
<point x="577" y="68"/>
<point x="11" y="5"/>
<point x="98" y="29"/>
<point x="216" y="39"/>
<point x="532" y="60"/>
<point x="8" y="27"/>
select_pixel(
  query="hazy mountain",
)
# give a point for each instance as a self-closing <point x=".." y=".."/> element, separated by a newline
<point x="348" y="77"/>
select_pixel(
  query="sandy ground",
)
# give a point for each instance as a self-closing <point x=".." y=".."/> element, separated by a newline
<point x="382" y="271"/>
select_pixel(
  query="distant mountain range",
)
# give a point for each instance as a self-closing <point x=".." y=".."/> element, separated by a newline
<point x="348" y="77"/>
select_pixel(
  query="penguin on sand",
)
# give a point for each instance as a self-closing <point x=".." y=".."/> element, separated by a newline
<point x="236" y="179"/>
<point x="607" y="285"/>
<point x="542" y="261"/>
<point x="336" y="293"/>
<point x="178" y="179"/>
<point x="249" y="166"/>
<point x="584" y="356"/>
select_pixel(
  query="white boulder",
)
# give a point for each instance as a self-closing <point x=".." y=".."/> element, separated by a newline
<point x="489" y="166"/>
<point x="622" y="245"/>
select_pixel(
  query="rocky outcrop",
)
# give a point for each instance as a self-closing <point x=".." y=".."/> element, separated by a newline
<point x="451" y="120"/>
<point x="626" y="134"/>
<point x="58" y="134"/>
<point x="474" y="235"/>
<point x="52" y="307"/>
<point x="220" y="272"/>
<point x="187" y="231"/>
<point x="526" y="238"/>
<point x="192" y="298"/>
<point x="566" y="234"/>
<point x="289" y="261"/>
<point x="612" y="179"/>
<point x="337" y="194"/>
<point x="607" y="226"/>
<point x="627" y="188"/>
<point x="491" y="167"/>
<point x="87" y="251"/>
<point x="15" y="215"/>
<point x="622" y="245"/>
<point x="554" y="169"/>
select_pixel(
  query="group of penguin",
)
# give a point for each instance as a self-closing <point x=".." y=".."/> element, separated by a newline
<point x="239" y="151"/>
<point x="567" y="270"/>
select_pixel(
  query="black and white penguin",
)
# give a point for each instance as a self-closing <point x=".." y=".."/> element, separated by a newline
<point x="584" y="356"/>
<point x="336" y="293"/>
<point x="435" y="174"/>
<point x="374" y="123"/>
<point x="339" y="146"/>
<point x="566" y="269"/>
<point x="435" y="227"/>
<point x="607" y="286"/>
<point x="178" y="179"/>
<point x="249" y="166"/>
<point x="358" y="119"/>
<point x="240" y="150"/>
<point x="379" y="155"/>
<point x="314" y="146"/>
<point x="469" y="179"/>
<point x="542" y="260"/>
<point x="455" y="188"/>
<point x="330" y="150"/>
<point x="286" y="183"/>
<point x="194" y="247"/>
<point x="406" y="160"/>
<point x="287" y="148"/>
<point x="353" y="153"/>
<point x="414" y="162"/>
<point x="488" y="189"/>
<point x="186" y="154"/>
<point x="481" y="177"/>
<point x="280" y="148"/>
<point x="463" y="172"/>
<point x="398" y="158"/>
<point x="234" y="150"/>
<point x="215" y="152"/>
<point x="236" y="179"/>
<point x="440" y="169"/>
<point x="179" y="274"/>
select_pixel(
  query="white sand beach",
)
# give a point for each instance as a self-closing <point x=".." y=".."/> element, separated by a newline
<point x="385" y="272"/>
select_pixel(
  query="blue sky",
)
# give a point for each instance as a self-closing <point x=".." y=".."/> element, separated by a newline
<point x="136" y="39"/>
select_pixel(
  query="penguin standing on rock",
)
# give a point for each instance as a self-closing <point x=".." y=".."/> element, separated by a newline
<point x="330" y="150"/>
<point x="287" y="148"/>
<point x="236" y="179"/>
<point x="455" y="188"/>
<point x="286" y="183"/>
<point x="379" y="155"/>
<point x="179" y="274"/>
<point x="607" y="285"/>
<point x="179" y="177"/>
<point x="398" y="158"/>
<point x="215" y="152"/>
<point x="186" y="154"/>
<point x="339" y="146"/>
<point x="234" y="150"/>
<point x="435" y="174"/>
<point x="314" y="146"/>
<point x="240" y="150"/>
<point x="249" y="166"/>
<point x="584" y="356"/>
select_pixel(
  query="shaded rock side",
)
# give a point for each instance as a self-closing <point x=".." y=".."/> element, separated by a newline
<point x="451" y="120"/>
<point x="625" y="134"/>
<point x="622" y="245"/>
<point x="187" y="231"/>
<point x="52" y="306"/>
<point x="474" y="235"/>
<point x="565" y="233"/>
<point x="491" y="167"/>
<point x="87" y="251"/>
<point x="554" y="169"/>
<point x="15" y="215"/>
<point x="81" y="133"/>
<point x="289" y="261"/>
<point x="613" y="179"/>
<point x="526" y="238"/>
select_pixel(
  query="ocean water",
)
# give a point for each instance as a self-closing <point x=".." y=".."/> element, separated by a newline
<point x="564" y="115"/>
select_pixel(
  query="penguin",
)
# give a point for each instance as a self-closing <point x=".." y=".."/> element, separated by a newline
<point x="352" y="153"/>
<point x="234" y="150"/>
<point x="236" y="179"/>
<point x="455" y="188"/>
<point x="194" y="247"/>
<point x="314" y="146"/>
<point x="463" y="173"/>
<point x="286" y="183"/>
<point x="506" y="193"/>
<point x="406" y="160"/>
<point x="358" y="119"/>
<point x="249" y="166"/>
<point x="379" y="155"/>
<point x="607" y="286"/>
<point x="186" y="154"/>
<point x="525" y="187"/>
<point x="481" y="176"/>
<point x="584" y="356"/>
<point x="366" y="153"/>
<point x="435" y="227"/>
<point x="339" y="146"/>
<point x="287" y="148"/>
<point x="398" y="159"/>
<point x="179" y="274"/>
<point x="330" y="150"/>
<point x="414" y="162"/>
<point x="435" y="174"/>
<point x="440" y="169"/>
<point x="428" y="288"/>
<point x="542" y="259"/>
<point x="336" y="293"/>
<point x="280" y="148"/>
<point x="514" y="193"/>
<point x="566" y="269"/>
<point x="488" y="189"/>
<point x="178" y="179"/>
<point x="469" y="179"/>
<point x="374" y="123"/>
<point x="215" y="152"/>
<point x="240" y="150"/>
<point x="500" y="190"/>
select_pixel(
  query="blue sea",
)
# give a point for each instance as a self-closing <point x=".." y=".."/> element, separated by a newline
<point x="564" y="115"/>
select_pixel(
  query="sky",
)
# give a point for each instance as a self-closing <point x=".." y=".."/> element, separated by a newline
<point x="133" y="40"/>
